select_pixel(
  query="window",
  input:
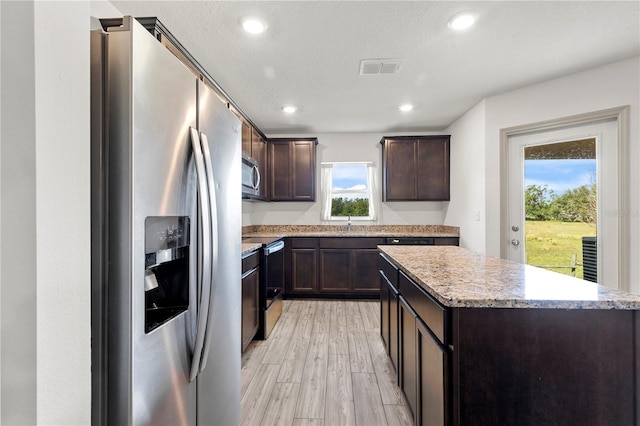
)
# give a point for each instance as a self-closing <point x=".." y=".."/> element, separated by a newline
<point x="347" y="190"/>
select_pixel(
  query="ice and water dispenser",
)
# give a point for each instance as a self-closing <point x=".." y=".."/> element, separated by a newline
<point x="166" y="275"/>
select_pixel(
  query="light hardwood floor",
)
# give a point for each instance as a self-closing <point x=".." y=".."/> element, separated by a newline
<point x="323" y="365"/>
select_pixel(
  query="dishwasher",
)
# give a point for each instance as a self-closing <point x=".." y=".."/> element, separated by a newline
<point x="411" y="241"/>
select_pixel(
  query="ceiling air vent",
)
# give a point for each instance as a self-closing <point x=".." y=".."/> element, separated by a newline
<point x="379" y="66"/>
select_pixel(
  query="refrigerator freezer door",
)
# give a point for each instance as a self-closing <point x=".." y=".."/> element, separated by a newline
<point x="219" y="382"/>
<point x="152" y="104"/>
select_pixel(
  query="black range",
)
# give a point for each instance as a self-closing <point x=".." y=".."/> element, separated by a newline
<point x="271" y="281"/>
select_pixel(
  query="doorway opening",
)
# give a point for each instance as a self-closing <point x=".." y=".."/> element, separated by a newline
<point x="561" y="207"/>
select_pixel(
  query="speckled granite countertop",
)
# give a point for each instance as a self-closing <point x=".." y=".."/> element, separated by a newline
<point x="458" y="277"/>
<point x="355" y="231"/>
<point x="249" y="247"/>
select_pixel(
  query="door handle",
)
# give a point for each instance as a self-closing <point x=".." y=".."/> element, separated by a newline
<point x="213" y="209"/>
<point x="204" y="266"/>
<point x="255" y="177"/>
<point x="515" y="242"/>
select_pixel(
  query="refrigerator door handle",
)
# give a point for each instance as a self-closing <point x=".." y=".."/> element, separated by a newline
<point x="214" y="242"/>
<point x="204" y="266"/>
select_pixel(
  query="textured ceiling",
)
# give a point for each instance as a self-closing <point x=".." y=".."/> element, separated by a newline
<point x="310" y="55"/>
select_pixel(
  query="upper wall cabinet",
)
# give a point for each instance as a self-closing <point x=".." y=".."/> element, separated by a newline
<point x="415" y="168"/>
<point x="292" y="169"/>
<point x="254" y="145"/>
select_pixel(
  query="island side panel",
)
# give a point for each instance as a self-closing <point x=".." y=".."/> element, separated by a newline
<point x="545" y="366"/>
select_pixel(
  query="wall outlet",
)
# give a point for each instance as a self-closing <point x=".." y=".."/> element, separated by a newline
<point x="477" y="216"/>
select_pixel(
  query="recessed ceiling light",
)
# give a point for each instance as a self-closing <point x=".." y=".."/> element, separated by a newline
<point x="406" y="107"/>
<point x="289" y="109"/>
<point x="462" y="21"/>
<point x="254" y="25"/>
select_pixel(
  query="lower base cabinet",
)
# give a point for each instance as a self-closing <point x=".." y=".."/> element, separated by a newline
<point x="341" y="267"/>
<point x="364" y="272"/>
<point x="389" y="301"/>
<point x="432" y="360"/>
<point x="424" y="364"/>
<point x="408" y="352"/>
<point x="334" y="271"/>
<point x="250" y="298"/>
<point x="332" y="267"/>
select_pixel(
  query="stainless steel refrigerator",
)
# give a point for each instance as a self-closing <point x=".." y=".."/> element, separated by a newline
<point x="166" y="231"/>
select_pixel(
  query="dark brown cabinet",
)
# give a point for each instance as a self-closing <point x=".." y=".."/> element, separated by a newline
<point x="424" y="360"/>
<point x="250" y="301"/>
<point x="301" y="276"/>
<point x="432" y="361"/>
<point x="364" y="273"/>
<point x="292" y="169"/>
<point x="349" y="266"/>
<point x="408" y="361"/>
<point x="389" y="308"/>
<point x="415" y="168"/>
<point x="255" y="145"/>
<point x="333" y="267"/>
<point x="335" y="270"/>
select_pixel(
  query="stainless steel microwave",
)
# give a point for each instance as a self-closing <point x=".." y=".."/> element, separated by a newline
<point x="250" y="177"/>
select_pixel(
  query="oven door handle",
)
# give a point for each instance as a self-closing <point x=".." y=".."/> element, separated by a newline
<point x="273" y="248"/>
<point x="249" y="272"/>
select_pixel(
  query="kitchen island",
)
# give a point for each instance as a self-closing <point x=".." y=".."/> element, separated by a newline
<point x="485" y="341"/>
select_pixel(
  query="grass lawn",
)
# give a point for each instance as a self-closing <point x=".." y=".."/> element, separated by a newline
<point x="553" y="243"/>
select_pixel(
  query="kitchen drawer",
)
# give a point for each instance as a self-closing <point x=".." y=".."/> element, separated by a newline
<point x="304" y="243"/>
<point x="250" y="261"/>
<point x="349" y="243"/>
<point x="431" y="312"/>
<point x="389" y="270"/>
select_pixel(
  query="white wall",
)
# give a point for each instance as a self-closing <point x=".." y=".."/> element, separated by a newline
<point x="467" y="206"/>
<point x="45" y="201"/>
<point x="347" y="147"/>
<point x="601" y="88"/>
<point x="18" y="226"/>
<point x="1" y="212"/>
<point x="62" y="132"/>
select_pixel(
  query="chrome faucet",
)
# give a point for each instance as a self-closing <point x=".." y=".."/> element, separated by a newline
<point x="349" y="223"/>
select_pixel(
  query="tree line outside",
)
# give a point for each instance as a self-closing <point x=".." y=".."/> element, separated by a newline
<point x="556" y="224"/>
<point x="349" y="207"/>
<point x="574" y="205"/>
